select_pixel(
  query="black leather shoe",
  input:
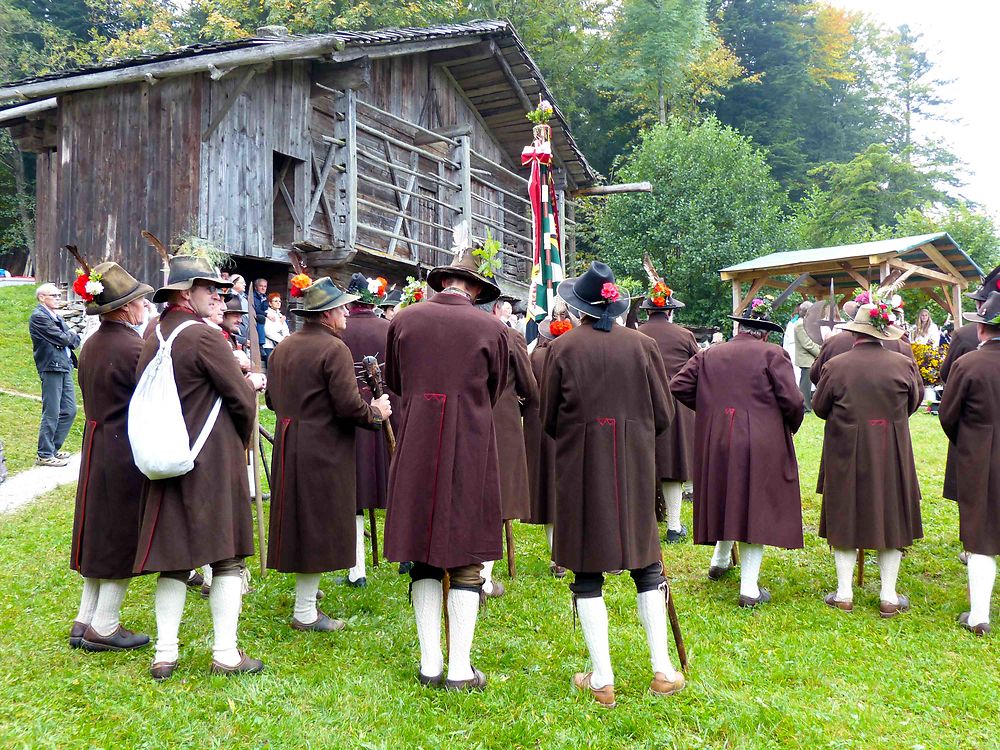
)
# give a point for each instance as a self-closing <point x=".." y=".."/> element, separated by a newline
<point x="476" y="682"/>
<point x="346" y="581"/>
<point x="196" y="581"/>
<point x="405" y="567"/>
<point x="750" y="602"/>
<point x="76" y="633"/>
<point x="426" y="681"/>
<point x="162" y="670"/>
<point x="247" y="665"/>
<point x="715" y="572"/>
<point x="674" y="537"/>
<point x="120" y="640"/>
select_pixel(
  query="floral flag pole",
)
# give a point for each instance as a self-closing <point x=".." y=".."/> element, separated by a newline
<point x="547" y="267"/>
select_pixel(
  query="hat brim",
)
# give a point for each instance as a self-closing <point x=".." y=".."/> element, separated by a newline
<point x="141" y="290"/>
<point x="977" y="318"/>
<point x="163" y="293"/>
<point x="891" y="333"/>
<point x="567" y="293"/>
<point x="490" y="290"/>
<point x="762" y="325"/>
<point x="670" y="304"/>
<point x="343" y="299"/>
<point x="980" y="295"/>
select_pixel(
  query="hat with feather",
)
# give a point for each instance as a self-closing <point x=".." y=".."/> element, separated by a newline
<point x="196" y="259"/>
<point x="660" y="297"/>
<point x="106" y="286"/>
<point x="475" y="261"/>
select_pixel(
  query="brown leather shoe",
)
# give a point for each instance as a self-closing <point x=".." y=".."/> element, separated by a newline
<point x="162" y="670"/>
<point x="196" y="581"/>
<point x="496" y="593"/>
<point x="557" y="571"/>
<point x="476" y="682"/>
<point x="206" y="590"/>
<point x="887" y="610"/>
<point x="664" y="687"/>
<point x="604" y="696"/>
<point x="319" y="595"/>
<point x="832" y="601"/>
<point x="122" y="639"/>
<point x="76" y="633"/>
<point x="323" y="624"/>
<point x="715" y="572"/>
<point x="434" y="682"/>
<point x="247" y="665"/>
<point x="762" y="598"/>
<point x="981" y="629"/>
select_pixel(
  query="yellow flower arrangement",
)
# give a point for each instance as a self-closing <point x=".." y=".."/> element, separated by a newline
<point x="929" y="359"/>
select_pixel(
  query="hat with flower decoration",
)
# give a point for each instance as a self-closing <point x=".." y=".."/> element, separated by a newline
<point x="368" y="291"/>
<point x="105" y="287"/>
<point x="596" y="294"/>
<point x="322" y="295"/>
<point x="879" y="311"/>
<point x="660" y="297"/>
<point x="758" y="315"/>
<point x="196" y="259"/>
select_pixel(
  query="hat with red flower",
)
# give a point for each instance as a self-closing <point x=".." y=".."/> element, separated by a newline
<point x="596" y="295"/>
<point x="369" y="291"/>
<point x="105" y="287"/>
<point x="660" y="298"/>
<point x="879" y="315"/>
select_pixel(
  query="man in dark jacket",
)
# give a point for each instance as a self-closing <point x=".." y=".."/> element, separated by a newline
<point x="53" y="344"/>
<point x="604" y="402"/>
<point x="260" y="311"/>
<point x="448" y="364"/>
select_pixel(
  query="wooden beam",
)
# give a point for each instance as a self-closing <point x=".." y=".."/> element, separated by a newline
<point x="473" y="53"/>
<point x="356" y="74"/>
<point x="321" y="179"/>
<point x="445" y="134"/>
<point x="737" y="296"/>
<point x="935" y="255"/>
<point x="237" y="92"/>
<point x="627" y="187"/>
<point x="933" y="294"/>
<point x="862" y="281"/>
<point x="902" y="265"/>
<point x="31" y="108"/>
<point x="755" y="287"/>
<point x="956" y="302"/>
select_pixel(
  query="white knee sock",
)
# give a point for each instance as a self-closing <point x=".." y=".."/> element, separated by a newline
<point x="594" y="622"/>
<point x="982" y="574"/>
<point x="358" y="571"/>
<point x="653" y="615"/>
<point x="170" y="596"/>
<point x="463" y="609"/>
<point x="88" y="600"/>
<point x="488" y="576"/>
<point x="751" y="556"/>
<point x="888" y="569"/>
<point x="107" y="616"/>
<point x="225" y="602"/>
<point x="722" y="557"/>
<point x="427" y="603"/>
<point x="206" y="573"/>
<point x="845" y="560"/>
<point x="306" y="586"/>
<point x="672" y="498"/>
<point x="548" y="534"/>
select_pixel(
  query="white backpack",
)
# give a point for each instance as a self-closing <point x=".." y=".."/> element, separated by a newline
<point x="161" y="446"/>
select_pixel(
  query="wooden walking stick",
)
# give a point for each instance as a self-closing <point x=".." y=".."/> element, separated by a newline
<point x="735" y="554"/>
<point x="373" y="377"/>
<point x="255" y="452"/>
<point x="508" y="529"/>
<point x="861" y="568"/>
<point x="675" y="623"/>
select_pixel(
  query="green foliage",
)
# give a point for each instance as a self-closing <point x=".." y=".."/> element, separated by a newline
<point x="714" y="203"/>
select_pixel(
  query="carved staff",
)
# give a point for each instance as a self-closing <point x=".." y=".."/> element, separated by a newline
<point x="373" y="377"/>
<point x="255" y="452"/>
<point x="675" y="623"/>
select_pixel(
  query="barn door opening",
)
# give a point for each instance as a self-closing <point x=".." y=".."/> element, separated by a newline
<point x="288" y="200"/>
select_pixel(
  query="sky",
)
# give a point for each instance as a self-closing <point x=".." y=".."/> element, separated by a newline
<point x="960" y="36"/>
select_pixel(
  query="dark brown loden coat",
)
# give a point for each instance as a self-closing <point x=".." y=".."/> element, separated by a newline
<point x="605" y="400"/>
<point x="746" y="478"/>
<point x="842" y="342"/>
<point x="314" y="395"/>
<point x="515" y="492"/>
<point x="540" y="449"/>
<point x="203" y="516"/>
<point x="871" y="495"/>
<point x="675" y="447"/>
<point x="365" y="336"/>
<point x="106" y="521"/>
<point x="965" y="340"/>
<point x="448" y="363"/>
<point x="970" y="416"/>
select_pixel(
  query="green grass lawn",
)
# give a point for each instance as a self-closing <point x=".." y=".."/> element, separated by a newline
<point x="793" y="674"/>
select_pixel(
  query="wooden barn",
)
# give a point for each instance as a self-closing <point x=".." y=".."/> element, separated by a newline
<point x="360" y="149"/>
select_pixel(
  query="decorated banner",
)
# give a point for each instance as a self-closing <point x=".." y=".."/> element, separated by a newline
<point x="547" y="268"/>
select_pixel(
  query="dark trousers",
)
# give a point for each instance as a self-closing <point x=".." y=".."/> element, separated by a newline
<point x="58" y="411"/>
<point x="463" y="577"/>
<point x="591" y="585"/>
<point x="232" y="566"/>
<point x="805" y="385"/>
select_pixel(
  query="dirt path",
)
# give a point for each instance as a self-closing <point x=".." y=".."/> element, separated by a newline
<point x="23" y="487"/>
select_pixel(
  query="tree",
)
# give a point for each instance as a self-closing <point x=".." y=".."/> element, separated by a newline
<point x="714" y="203"/>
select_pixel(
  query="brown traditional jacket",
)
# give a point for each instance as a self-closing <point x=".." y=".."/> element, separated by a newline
<point x="540" y="449"/>
<point x="521" y="393"/>
<point x="871" y="495"/>
<point x="674" y="448"/>
<point x="604" y="401"/>
<point x="965" y="340"/>
<point x="843" y="342"/>
<point x="746" y="478"/>
<point x="448" y="364"/>
<point x="203" y="516"/>
<point x="365" y="336"/>
<point x="313" y="392"/>
<point x="970" y="416"/>
<point x="106" y="521"/>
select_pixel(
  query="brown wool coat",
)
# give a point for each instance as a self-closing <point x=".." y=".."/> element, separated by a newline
<point x="106" y="520"/>
<point x="871" y="495"/>
<point x="843" y="342"/>
<point x="970" y="416"/>
<point x="965" y="340"/>
<point x="746" y="478"/>
<point x="520" y="394"/>
<point x="675" y="447"/>
<point x="604" y="401"/>
<point x="314" y="395"/>
<point x="540" y="449"/>
<point x="448" y="364"/>
<point x="365" y="336"/>
<point x="203" y="516"/>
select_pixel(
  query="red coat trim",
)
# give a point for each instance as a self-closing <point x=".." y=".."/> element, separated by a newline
<point x="613" y="424"/>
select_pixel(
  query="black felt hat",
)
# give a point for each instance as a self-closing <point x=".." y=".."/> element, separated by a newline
<point x="990" y="285"/>
<point x="591" y="295"/>
<point x="989" y="313"/>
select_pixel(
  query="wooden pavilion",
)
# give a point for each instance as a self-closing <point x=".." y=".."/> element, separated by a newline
<point x="360" y="150"/>
<point x="933" y="263"/>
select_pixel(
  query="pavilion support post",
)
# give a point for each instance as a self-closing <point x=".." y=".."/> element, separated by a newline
<point x="956" y="303"/>
<point x="737" y="295"/>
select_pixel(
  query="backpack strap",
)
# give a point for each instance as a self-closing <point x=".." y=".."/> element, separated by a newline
<point x="169" y="342"/>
